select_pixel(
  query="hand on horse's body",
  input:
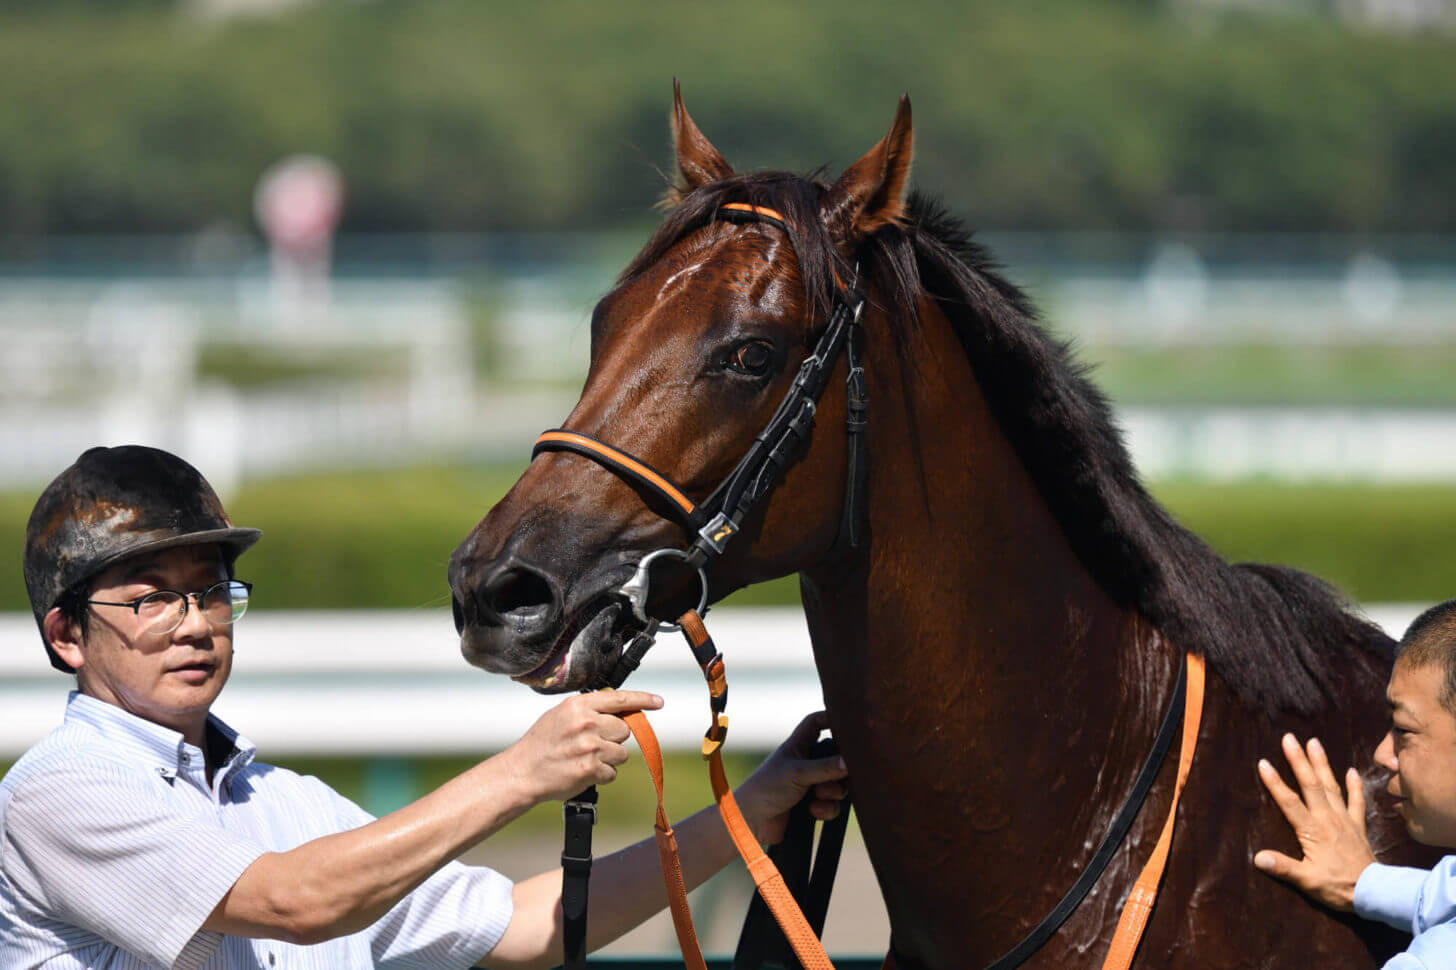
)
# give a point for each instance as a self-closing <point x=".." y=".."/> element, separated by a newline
<point x="781" y="781"/>
<point x="577" y="743"/>
<point x="1330" y="827"/>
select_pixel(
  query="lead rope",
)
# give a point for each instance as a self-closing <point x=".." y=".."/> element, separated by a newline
<point x="766" y="876"/>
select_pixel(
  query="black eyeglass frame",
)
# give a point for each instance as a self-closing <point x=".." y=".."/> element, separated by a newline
<point x="136" y="605"/>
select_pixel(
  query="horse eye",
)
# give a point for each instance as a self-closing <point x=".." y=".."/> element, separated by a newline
<point x="752" y="358"/>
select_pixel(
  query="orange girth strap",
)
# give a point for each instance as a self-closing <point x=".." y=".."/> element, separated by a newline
<point x="1139" y="905"/>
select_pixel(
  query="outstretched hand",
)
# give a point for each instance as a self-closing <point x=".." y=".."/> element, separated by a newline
<point x="781" y="781"/>
<point x="1329" y="824"/>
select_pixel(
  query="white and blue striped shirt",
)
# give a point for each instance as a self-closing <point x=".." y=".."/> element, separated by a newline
<point x="114" y="849"/>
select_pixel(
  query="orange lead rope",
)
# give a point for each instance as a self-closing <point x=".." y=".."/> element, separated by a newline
<point x="1139" y="905"/>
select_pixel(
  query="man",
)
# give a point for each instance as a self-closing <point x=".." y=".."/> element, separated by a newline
<point x="142" y="833"/>
<point x="1419" y="751"/>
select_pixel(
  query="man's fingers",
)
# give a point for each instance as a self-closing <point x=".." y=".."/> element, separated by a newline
<point x="1277" y="864"/>
<point x="802" y="738"/>
<point x="1355" y="787"/>
<point x="1324" y="773"/>
<point x="1289" y="803"/>
<point x="620" y="701"/>
<point x="612" y="728"/>
<point x="1304" y="774"/>
<point x="814" y="771"/>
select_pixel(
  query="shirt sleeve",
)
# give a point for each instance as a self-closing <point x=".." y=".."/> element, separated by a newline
<point x="99" y="846"/>
<point x="1390" y="894"/>
<point x="1434" y="949"/>
<point x="1413" y="900"/>
<point x="452" y="919"/>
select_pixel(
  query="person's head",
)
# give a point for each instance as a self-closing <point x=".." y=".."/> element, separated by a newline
<point x="105" y="542"/>
<point x="1420" y="749"/>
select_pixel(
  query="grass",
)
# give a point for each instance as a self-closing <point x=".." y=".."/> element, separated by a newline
<point x="1416" y="375"/>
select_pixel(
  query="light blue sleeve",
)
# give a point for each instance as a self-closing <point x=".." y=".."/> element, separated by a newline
<point x="1390" y="894"/>
<point x="1434" y="949"/>
<point x="1438" y="897"/>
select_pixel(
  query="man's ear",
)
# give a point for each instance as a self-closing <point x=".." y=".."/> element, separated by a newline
<point x="64" y="636"/>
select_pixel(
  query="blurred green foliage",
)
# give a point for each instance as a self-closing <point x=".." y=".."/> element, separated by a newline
<point x="382" y="539"/>
<point x="452" y="114"/>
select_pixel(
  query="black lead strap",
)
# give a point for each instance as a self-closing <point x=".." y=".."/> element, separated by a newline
<point x="579" y="815"/>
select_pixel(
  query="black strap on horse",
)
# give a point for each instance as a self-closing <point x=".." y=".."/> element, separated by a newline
<point x="709" y="527"/>
<point x="762" y="944"/>
<point x="1018" y="954"/>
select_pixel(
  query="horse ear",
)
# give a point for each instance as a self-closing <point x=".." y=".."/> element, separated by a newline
<point x="871" y="192"/>
<point x="697" y="159"/>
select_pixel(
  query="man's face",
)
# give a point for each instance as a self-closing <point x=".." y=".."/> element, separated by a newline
<point x="1420" y="754"/>
<point x="167" y="678"/>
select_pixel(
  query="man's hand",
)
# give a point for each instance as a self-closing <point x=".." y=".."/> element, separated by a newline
<point x="577" y="743"/>
<point x="781" y="781"/>
<point x="1331" y="830"/>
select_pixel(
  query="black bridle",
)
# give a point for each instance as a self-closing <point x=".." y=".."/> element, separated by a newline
<point x="709" y="527"/>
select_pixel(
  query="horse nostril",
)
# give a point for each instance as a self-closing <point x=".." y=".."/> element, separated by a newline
<point x="521" y="594"/>
<point x="459" y="613"/>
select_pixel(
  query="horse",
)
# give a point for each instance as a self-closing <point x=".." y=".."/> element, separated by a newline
<point x="999" y="634"/>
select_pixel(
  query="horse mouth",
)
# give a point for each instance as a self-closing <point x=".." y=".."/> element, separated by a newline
<point x="582" y="655"/>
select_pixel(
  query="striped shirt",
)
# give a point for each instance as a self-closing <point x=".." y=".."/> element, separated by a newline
<point x="114" y="849"/>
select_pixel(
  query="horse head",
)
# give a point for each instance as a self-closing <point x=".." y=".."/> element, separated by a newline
<point x="691" y="354"/>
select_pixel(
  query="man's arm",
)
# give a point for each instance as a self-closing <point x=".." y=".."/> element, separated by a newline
<point x="1330" y="829"/>
<point x="626" y="887"/>
<point x="339" y="884"/>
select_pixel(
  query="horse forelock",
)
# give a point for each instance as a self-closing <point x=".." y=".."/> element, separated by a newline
<point x="1283" y="640"/>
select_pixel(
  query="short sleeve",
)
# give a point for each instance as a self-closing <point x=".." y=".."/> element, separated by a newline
<point x="99" y="846"/>
<point x="452" y="919"/>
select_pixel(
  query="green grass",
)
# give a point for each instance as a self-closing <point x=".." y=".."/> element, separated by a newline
<point x="382" y="539"/>
<point x="1389" y="375"/>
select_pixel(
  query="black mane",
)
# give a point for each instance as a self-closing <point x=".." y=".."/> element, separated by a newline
<point x="1279" y="637"/>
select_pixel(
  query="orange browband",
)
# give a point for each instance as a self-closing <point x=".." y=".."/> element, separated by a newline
<point x="758" y="210"/>
<point x="590" y="444"/>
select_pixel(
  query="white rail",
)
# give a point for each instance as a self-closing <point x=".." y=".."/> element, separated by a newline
<point x="393" y="683"/>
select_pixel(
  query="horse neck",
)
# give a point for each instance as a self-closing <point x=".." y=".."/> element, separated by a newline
<point x="982" y="686"/>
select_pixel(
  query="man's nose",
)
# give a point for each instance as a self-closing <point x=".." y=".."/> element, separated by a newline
<point x="1385" y="753"/>
<point x="195" y="624"/>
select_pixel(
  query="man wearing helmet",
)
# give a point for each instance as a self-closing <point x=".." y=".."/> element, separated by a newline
<point x="142" y="833"/>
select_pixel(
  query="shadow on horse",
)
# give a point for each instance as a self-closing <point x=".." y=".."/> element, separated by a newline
<point x="998" y="623"/>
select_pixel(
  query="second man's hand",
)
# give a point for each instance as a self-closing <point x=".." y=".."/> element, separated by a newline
<point x="1329" y="823"/>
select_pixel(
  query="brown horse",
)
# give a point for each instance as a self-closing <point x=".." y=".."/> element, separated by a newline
<point x="999" y="649"/>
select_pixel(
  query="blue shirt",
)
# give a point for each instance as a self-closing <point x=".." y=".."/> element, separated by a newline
<point x="114" y="849"/>
<point x="1419" y="901"/>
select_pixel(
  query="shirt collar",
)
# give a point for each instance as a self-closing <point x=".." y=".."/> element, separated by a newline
<point x="153" y="744"/>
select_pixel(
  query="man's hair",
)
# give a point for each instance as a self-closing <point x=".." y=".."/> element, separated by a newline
<point x="1430" y="640"/>
<point x="74" y="608"/>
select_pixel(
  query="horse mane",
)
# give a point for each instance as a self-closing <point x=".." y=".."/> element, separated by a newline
<point x="1279" y="637"/>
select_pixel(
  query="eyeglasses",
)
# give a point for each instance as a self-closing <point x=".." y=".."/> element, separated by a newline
<point x="163" y="611"/>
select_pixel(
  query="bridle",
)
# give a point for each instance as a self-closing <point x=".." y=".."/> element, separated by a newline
<point x="712" y="524"/>
<point x="709" y="527"/>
